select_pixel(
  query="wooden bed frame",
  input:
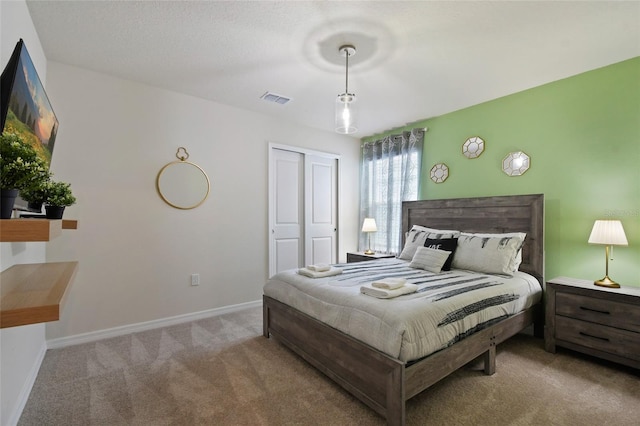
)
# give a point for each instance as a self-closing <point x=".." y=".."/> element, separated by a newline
<point x="385" y="383"/>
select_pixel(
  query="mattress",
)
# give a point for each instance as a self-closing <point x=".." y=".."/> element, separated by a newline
<point x="446" y="308"/>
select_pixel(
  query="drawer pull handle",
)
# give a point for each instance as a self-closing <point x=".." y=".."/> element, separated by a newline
<point x="604" y="339"/>
<point x="594" y="310"/>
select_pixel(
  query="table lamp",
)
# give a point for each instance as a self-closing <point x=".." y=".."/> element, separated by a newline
<point x="609" y="233"/>
<point x="369" y="226"/>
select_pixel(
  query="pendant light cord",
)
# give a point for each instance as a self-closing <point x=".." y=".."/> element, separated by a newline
<point x="346" y="80"/>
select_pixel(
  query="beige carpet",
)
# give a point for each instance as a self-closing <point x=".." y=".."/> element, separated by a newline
<point x="221" y="371"/>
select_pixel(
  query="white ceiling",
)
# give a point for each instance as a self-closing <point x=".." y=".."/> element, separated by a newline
<point x="414" y="60"/>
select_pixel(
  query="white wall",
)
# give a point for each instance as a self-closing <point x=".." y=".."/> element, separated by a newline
<point x="21" y="348"/>
<point x="135" y="252"/>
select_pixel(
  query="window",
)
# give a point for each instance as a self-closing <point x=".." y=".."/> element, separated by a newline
<point x="390" y="174"/>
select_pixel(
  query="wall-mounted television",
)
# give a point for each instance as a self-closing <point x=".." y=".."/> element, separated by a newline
<point x="25" y="108"/>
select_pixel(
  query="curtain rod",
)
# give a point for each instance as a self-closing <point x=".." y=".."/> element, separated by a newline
<point x="424" y="129"/>
<point x="390" y="133"/>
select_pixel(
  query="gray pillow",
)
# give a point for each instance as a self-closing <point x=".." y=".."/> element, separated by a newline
<point x="446" y="244"/>
<point x="429" y="259"/>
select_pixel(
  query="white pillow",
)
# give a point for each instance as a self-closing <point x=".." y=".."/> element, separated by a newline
<point x="517" y="260"/>
<point x="418" y="234"/>
<point x="429" y="259"/>
<point x="489" y="253"/>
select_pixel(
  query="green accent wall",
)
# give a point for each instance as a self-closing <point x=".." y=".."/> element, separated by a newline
<point x="583" y="137"/>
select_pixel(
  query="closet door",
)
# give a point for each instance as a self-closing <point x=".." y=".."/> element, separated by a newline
<point x="321" y="212"/>
<point x="303" y="209"/>
<point x="286" y="205"/>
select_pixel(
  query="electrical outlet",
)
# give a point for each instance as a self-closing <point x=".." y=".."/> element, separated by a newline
<point x="195" y="279"/>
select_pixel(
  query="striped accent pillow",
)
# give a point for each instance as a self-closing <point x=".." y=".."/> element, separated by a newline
<point x="429" y="259"/>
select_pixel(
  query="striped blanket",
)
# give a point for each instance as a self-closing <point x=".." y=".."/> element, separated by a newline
<point x="446" y="307"/>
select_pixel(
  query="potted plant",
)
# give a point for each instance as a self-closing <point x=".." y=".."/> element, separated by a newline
<point x="20" y="166"/>
<point x="58" y="196"/>
<point x="35" y="194"/>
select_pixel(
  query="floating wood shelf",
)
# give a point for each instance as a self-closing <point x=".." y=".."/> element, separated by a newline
<point x="34" y="293"/>
<point x="69" y="224"/>
<point x="17" y="230"/>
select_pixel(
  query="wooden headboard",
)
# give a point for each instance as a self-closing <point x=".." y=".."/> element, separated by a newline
<point x="511" y="213"/>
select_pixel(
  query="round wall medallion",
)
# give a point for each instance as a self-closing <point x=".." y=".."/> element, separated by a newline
<point x="516" y="163"/>
<point x="473" y="147"/>
<point x="439" y="173"/>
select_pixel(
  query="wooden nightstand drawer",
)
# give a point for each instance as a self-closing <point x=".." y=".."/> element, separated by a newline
<point x="598" y="321"/>
<point x="607" y="312"/>
<point x="595" y="336"/>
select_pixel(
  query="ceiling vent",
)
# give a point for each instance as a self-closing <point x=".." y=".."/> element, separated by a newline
<point x="272" y="97"/>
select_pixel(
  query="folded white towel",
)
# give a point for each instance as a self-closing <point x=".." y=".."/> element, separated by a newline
<point x="313" y="274"/>
<point x="319" y="267"/>
<point x="389" y="283"/>
<point x="387" y="294"/>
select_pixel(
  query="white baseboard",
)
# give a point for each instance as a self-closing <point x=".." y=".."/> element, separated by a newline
<point x="148" y="325"/>
<point x="28" y="385"/>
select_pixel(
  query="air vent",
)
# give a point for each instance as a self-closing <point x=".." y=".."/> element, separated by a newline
<point x="272" y="97"/>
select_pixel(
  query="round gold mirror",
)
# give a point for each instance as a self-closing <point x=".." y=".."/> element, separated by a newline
<point x="182" y="184"/>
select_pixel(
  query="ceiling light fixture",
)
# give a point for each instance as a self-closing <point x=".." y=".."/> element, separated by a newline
<point x="345" y="111"/>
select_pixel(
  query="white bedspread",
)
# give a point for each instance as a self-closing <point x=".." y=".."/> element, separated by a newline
<point x="447" y="306"/>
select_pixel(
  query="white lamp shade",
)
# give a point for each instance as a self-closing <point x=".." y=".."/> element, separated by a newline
<point x="369" y="225"/>
<point x="608" y="232"/>
<point x="346" y="114"/>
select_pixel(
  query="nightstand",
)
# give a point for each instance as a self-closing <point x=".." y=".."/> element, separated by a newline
<point x="361" y="257"/>
<point x="593" y="320"/>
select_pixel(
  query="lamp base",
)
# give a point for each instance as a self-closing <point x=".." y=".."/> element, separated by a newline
<point x="369" y="251"/>
<point x="607" y="282"/>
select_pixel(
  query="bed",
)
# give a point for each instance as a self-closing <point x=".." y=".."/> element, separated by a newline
<point x="381" y="377"/>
